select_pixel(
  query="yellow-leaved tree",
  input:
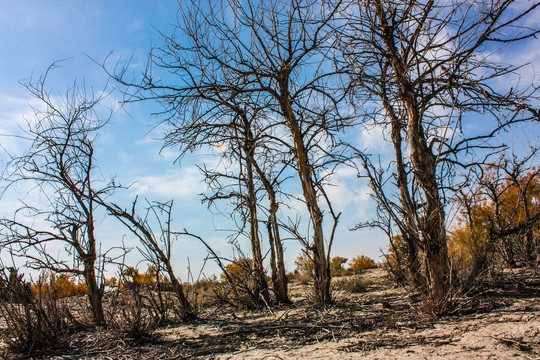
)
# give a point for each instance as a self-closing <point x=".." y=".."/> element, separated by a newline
<point x="499" y="220"/>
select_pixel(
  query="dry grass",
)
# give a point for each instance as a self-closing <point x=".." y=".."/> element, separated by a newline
<point x="383" y="322"/>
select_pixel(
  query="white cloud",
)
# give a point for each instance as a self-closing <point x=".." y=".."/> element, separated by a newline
<point x="374" y="140"/>
<point x="184" y="183"/>
<point x="15" y="112"/>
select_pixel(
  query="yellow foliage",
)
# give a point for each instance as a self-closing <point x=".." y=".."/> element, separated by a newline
<point x="471" y="238"/>
<point x="60" y="286"/>
<point x="112" y="282"/>
<point x="132" y="275"/>
<point x="304" y="264"/>
<point x="238" y="270"/>
<point x="336" y="265"/>
<point x="395" y="251"/>
<point x="361" y="263"/>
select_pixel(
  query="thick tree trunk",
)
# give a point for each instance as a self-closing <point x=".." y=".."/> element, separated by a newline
<point x="273" y="264"/>
<point x="322" y="269"/>
<point x="260" y="287"/>
<point x="424" y="170"/>
<point x="94" y="292"/>
<point x="410" y="230"/>
<point x="281" y="278"/>
<point x="433" y="227"/>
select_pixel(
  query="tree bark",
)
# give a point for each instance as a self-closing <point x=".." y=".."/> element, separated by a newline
<point x="94" y="292"/>
<point x="423" y="163"/>
<point x="322" y="269"/>
<point x="260" y="283"/>
<point x="410" y="232"/>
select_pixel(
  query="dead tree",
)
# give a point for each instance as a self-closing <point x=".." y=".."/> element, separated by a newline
<point x="60" y="164"/>
<point x="238" y="188"/>
<point x="272" y="54"/>
<point x="420" y="70"/>
<point x="156" y="246"/>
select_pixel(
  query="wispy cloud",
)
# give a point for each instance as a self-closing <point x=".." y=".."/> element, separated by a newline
<point x="176" y="183"/>
<point x="15" y="112"/>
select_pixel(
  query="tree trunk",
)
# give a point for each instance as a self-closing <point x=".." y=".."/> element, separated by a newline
<point x="187" y="311"/>
<point x="322" y="269"/>
<point x="279" y="275"/>
<point x="433" y="227"/>
<point x="424" y="170"/>
<point x="281" y="278"/>
<point x="273" y="264"/>
<point x="410" y="231"/>
<point x="530" y="251"/>
<point x="260" y="283"/>
<point x="94" y="292"/>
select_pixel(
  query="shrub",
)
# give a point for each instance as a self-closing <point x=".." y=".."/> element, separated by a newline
<point x="61" y="286"/>
<point x="239" y="270"/>
<point x="132" y="275"/>
<point x="361" y="263"/>
<point x="354" y="285"/>
<point x="133" y="313"/>
<point x="336" y="265"/>
<point x="304" y="269"/>
<point x="33" y="322"/>
<point x="203" y="291"/>
<point x="239" y="287"/>
<point x="396" y="260"/>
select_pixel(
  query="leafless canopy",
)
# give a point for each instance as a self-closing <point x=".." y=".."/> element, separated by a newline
<point x="59" y="234"/>
<point x="424" y="71"/>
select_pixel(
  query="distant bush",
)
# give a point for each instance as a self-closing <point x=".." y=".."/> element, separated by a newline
<point x="239" y="271"/>
<point x="354" y="285"/>
<point x="61" y="286"/>
<point x="132" y="275"/>
<point x="304" y="269"/>
<point x="238" y="286"/>
<point x="204" y="292"/>
<point x="361" y="263"/>
<point x="336" y="265"/>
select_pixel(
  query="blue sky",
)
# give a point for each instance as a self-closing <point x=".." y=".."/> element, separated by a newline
<point x="36" y="33"/>
<point x="33" y="34"/>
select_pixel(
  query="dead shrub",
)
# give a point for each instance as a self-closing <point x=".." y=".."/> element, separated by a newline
<point x="35" y="322"/>
<point x="129" y="315"/>
<point x="203" y="292"/>
<point x="238" y="287"/>
<point x="139" y="305"/>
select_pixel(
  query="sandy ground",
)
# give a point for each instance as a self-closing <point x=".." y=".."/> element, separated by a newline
<point x="511" y="333"/>
<point x="503" y="322"/>
<point x="383" y="323"/>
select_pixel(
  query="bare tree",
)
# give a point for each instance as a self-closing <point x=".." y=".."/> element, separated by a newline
<point x="421" y="70"/>
<point x="60" y="163"/>
<point x="157" y="247"/>
<point x="270" y="54"/>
